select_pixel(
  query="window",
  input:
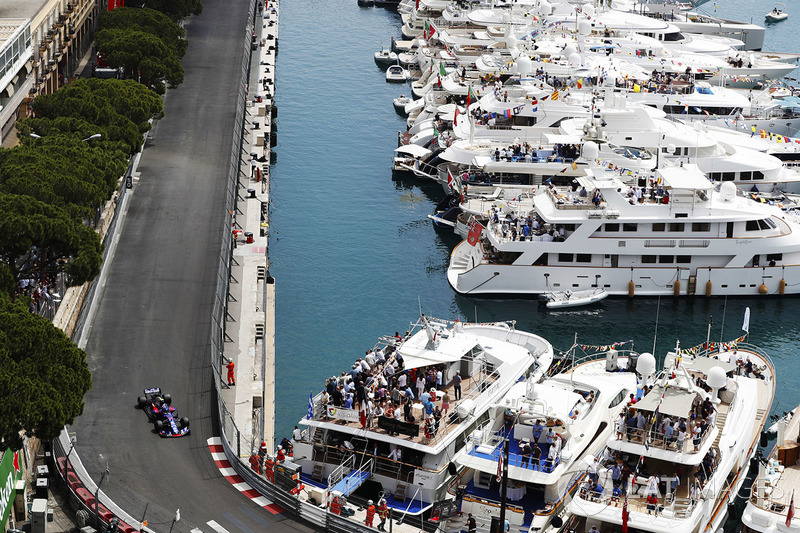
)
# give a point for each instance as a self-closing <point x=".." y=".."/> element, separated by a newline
<point x="763" y="224"/>
<point x="758" y="175"/>
<point x="676" y="226"/>
<point x="666" y="259"/>
<point x="659" y="226"/>
<point x="628" y="226"/>
<point x="752" y="225"/>
<point x="648" y="259"/>
<point x="728" y="176"/>
<point x="565" y="258"/>
<point x="774" y="257"/>
<point x="701" y="226"/>
<point x="771" y="223"/>
<point x="623" y="395"/>
<point x="584" y="258"/>
<point x="683" y="259"/>
<point x="611" y="227"/>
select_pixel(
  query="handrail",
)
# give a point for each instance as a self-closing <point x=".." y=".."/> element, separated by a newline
<point x="337" y="474"/>
<point x="410" y="503"/>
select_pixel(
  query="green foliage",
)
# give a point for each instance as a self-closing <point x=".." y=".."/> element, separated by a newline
<point x="7" y="281"/>
<point x="148" y="21"/>
<point x="176" y="9"/>
<point x="142" y="56"/>
<point x="43" y="376"/>
<point x="63" y="171"/>
<point x="26" y="222"/>
<point x="118" y="109"/>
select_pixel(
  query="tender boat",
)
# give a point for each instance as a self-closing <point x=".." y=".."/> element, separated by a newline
<point x="385" y="57"/>
<point x="366" y="3"/>
<point x="568" y="298"/>
<point x="678" y="461"/>
<point x="396" y="74"/>
<point x="366" y="453"/>
<point x="778" y="479"/>
<point x="400" y="103"/>
<point x="777" y="14"/>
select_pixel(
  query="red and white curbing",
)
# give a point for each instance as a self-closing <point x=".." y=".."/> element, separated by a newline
<point x="225" y="468"/>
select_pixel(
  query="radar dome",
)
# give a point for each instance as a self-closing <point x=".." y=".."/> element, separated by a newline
<point x="575" y="59"/>
<point x="584" y="27"/>
<point x="590" y="150"/>
<point x="671" y="148"/>
<point x="511" y="42"/>
<point x="570" y="49"/>
<point x="716" y="378"/>
<point x="646" y="364"/>
<point x="727" y="190"/>
<point x="524" y="65"/>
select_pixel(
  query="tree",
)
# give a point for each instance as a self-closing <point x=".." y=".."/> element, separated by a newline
<point x="119" y="109"/>
<point x="63" y="242"/>
<point x="63" y="171"/>
<point x="43" y="376"/>
<point x="142" y="56"/>
<point x="148" y="21"/>
<point x="176" y="9"/>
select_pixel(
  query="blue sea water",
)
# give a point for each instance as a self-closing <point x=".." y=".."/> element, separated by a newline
<point x="354" y="255"/>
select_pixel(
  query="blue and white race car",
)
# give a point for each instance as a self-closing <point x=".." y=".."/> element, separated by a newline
<point x="160" y="412"/>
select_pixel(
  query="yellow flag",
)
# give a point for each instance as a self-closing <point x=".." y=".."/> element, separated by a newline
<point x="637" y="88"/>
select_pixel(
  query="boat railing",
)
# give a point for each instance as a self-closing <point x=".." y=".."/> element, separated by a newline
<point x="746" y="348"/>
<point x="338" y="473"/>
<point x="652" y="437"/>
<point x="775" y="500"/>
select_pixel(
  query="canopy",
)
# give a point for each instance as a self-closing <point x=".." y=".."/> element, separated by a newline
<point x="790" y="102"/>
<point x="676" y="402"/>
<point x="704" y="364"/>
<point x="413" y="150"/>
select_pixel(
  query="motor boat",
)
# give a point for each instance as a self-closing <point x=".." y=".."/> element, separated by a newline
<point x="777" y="14"/>
<point x="366" y="3"/>
<point x="665" y="471"/>
<point x="400" y="103"/>
<point x="396" y="74"/>
<point x="385" y="57"/>
<point x="568" y="298"/>
<point x="359" y="454"/>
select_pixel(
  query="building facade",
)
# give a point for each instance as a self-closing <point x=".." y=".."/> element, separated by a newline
<point x="41" y="45"/>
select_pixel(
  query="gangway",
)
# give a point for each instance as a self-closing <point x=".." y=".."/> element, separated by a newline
<point x="346" y="484"/>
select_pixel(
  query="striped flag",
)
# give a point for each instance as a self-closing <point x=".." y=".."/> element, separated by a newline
<point x="790" y="512"/>
<point x="310" y="413"/>
<point x="450" y="180"/>
<point x="500" y="458"/>
<point x="625" y="515"/>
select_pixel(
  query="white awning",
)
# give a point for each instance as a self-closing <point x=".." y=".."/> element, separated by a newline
<point x="704" y="364"/>
<point x="413" y="150"/>
<point x="676" y="402"/>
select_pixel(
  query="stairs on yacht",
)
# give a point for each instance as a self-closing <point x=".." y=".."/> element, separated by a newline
<point x="720" y="423"/>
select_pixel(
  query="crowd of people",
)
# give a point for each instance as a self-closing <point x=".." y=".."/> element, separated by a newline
<point x="379" y="385"/>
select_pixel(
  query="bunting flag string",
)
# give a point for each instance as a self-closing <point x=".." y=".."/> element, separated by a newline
<point x="603" y="347"/>
<point x="724" y="346"/>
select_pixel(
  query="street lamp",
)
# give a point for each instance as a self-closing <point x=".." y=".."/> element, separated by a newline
<point x="95" y="136"/>
<point x="97" y="499"/>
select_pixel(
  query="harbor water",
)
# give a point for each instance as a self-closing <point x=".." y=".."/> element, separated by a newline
<point x="355" y="256"/>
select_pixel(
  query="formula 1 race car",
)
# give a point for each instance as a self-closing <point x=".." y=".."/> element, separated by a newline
<point x="160" y="412"/>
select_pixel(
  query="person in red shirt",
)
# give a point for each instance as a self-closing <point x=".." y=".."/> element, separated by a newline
<point x="231" y="378"/>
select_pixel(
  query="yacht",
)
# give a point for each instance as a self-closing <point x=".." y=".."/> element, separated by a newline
<point x="778" y="479"/>
<point x="347" y="454"/>
<point x="681" y="479"/>
<point x="681" y="235"/>
<point x="579" y="407"/>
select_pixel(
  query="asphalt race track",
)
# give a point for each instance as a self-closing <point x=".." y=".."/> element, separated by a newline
<point x="154" y="312"/>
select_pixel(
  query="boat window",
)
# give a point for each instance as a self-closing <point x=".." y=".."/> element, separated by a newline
<point x="728" y="176"/>
<point x="675" y="36"/>
<point x="623" y="394"/>
<point x="752" y="225"/>
<point x="611" y="227"/>
<point x="758" y="175"/>
<point x="676" y="226"/>
<point x="683" y="259"/>
<point x="648" y="259"/>
<point x="565" y="258"/>
<point x="666" y="259"/>
<point x="701" y="226"/>
<point x="629" y="226"/>
<point x="764" y="225"/>
<point x="659" y="226"/>
<point x="746" y="176"/>
<point x="774" y="257"/>
<point x="771" y="223"/>
<point x="584" y="258"/>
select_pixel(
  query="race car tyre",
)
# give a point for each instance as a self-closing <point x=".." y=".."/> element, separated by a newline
<point x="141" y="402"/>
<point x="184" y="422"/>
<point x="168" y="399"/>
<point x="159" y="425"/>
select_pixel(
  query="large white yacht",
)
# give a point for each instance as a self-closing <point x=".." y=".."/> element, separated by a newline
<point x="684" y="236"/>
<point x="344" y="452"/>
<point x="580" y="408"/>
<point x="682" y="479"/>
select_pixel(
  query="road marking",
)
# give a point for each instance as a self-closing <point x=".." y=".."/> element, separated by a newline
<point x="217" y="527"/>
<point x="225" y="468"/>
<point x="196" y="530"/>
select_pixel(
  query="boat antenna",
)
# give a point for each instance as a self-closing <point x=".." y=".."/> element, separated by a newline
<point x="476" y="314"/>
<point x="419" y="303"/>
<point x="708" y="334"/>
<point x="655" y="333"/>
<point x="722" y="328"/>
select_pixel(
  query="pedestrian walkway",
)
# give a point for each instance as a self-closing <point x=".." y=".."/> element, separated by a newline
<point x="227" y="471"/>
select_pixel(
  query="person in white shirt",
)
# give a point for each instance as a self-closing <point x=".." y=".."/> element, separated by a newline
<point x="396" y="454"/>
<point x="297" y="434"/>
<point x="439" y="379"/>
<point x="402" y="379"/>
